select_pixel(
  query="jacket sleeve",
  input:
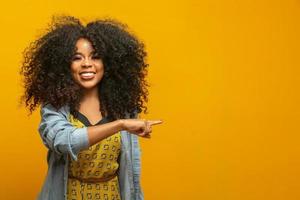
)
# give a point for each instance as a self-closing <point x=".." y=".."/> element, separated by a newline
<point x="136" y="163"/>
<point x="59" y="135"/>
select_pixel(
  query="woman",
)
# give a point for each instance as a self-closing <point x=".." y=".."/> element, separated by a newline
<point x="90" y="83"/>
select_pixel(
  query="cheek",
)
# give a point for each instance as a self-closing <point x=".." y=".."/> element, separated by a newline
<point x="100" y="67"/>
<point x="74" y="67"/>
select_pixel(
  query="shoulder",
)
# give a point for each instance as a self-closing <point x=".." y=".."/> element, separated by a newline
<point x="47" y="108"/>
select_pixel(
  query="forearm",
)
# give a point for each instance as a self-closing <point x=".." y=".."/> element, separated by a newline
<point x="100" y="132"/>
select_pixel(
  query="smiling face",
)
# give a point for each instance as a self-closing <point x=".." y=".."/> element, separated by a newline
<point x="86" y="66"/>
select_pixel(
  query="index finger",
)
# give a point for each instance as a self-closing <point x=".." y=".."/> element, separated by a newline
<point x="155" y="122"/>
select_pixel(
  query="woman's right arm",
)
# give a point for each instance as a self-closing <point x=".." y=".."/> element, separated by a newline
<point x="138" y="127"/>
<point x="59" y="135"/>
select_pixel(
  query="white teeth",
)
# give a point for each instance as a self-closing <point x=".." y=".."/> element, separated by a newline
<point x="87" y="73"/>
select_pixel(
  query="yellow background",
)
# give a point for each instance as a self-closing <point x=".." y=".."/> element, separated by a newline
<point x="224" y="78"/>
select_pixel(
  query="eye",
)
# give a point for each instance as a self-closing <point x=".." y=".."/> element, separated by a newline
<point x="96" y="56"/>
<point x="76" y="58"/>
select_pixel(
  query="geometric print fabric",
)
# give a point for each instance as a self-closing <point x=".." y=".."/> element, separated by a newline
<point x="98" y="161"/>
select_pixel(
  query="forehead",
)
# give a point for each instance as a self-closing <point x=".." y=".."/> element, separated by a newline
<point x="83" y="44"/>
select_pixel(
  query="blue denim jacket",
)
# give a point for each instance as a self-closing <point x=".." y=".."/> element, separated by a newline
<point x="63" y="140"/>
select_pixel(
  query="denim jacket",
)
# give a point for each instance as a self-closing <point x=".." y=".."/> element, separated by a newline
<point x="63" y="140"/>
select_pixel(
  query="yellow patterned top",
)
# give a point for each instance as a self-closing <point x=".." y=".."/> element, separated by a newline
<point x="98" y="161"/>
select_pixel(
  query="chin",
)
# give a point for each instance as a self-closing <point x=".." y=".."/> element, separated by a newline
<point x="88" y="86"/>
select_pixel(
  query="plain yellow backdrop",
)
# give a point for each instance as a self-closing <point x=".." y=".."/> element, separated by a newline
<point x="224" y="78"/>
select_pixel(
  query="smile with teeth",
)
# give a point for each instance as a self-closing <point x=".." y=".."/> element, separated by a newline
<point x="87" y="75"/>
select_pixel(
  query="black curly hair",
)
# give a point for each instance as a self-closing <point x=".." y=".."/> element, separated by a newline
<point x="47" y="74"/>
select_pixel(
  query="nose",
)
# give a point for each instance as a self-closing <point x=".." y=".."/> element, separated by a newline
<point x="86" y="63"/>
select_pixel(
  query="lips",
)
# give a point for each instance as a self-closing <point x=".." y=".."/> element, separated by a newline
<point x="87" y="75"/>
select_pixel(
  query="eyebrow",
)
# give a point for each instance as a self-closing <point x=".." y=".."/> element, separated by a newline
<point x="93" y="52"/>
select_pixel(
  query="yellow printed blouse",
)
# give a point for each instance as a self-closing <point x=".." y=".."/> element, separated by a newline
<point x="98" y="161"/>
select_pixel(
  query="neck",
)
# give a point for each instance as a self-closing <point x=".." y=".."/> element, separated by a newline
<point x="89" y="94"/>
<point x="90" y="99"/>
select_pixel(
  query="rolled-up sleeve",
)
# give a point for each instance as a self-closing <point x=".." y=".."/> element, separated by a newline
<point x="59" y="135"/>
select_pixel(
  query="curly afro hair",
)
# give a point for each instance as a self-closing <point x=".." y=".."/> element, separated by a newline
<point x="47" y="74"/>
